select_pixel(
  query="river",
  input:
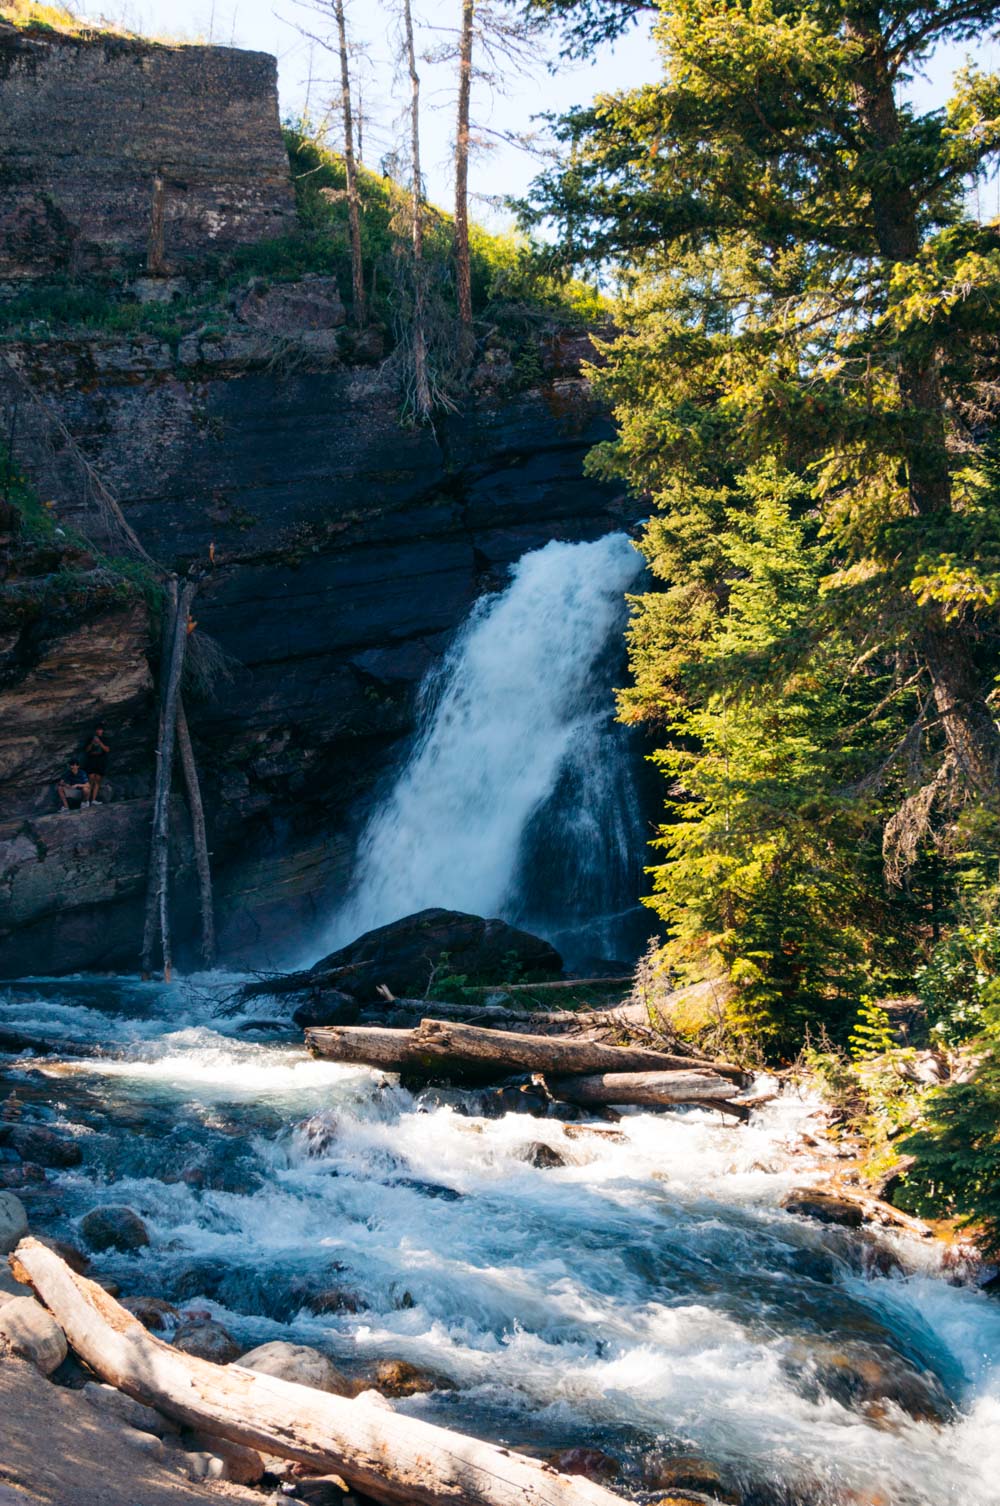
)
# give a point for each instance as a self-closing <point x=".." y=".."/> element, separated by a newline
<point x="649" y="1297"/>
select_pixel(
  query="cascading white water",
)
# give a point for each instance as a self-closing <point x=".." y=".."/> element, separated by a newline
<point x="512" y="715"/>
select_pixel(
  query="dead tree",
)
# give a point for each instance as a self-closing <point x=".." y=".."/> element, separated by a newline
<point x="201" y="857"/>
<point x="155" y="262"/>
<point x="350" y="170"/>
<point x="422" y="401"/>
<point x="158" y="883"/>
<point x="463" y="267"/>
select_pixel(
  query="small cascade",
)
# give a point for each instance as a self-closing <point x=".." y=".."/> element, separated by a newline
<point x="518" y="798"/>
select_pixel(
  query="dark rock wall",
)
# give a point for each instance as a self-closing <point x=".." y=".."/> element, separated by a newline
<point x="347" y="550"/>
<point x="87" y="124"/>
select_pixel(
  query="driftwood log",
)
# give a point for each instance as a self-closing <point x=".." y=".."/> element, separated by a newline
<point x="392" y="1457"/>
<point x="439" y="1048"/>
<point x="648" y="1089"/>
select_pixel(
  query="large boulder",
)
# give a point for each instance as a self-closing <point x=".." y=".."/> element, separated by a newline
<point x="409" y="954"/>
<point x="298" y="1363"/>
<point x="206" y="1340"/>
<point x="33" y="1334"/>
<point x="114" y="1227"/>
<point x="13" y="1222"/>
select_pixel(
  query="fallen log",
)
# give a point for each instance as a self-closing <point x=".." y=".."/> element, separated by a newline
<point x="648" y="1089"/>
<point x="439" y="1048"/>
<point x="390" y="1456"/>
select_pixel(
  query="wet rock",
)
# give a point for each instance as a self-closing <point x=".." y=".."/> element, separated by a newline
<point x="244" y="1466"/>
<point x="328" y="1007"/>
<point x="33" y="1334"/>
<point x="299" y="1363"/>
<point x="543" y="1156"/>
<point x="153" y="1312"/>
<point x="522" y="1098"/>
<point x="429" y="1189"/>
<point x="114" y="1227"/>
<point x="327" y="1299"/>
<point x="814" y="1265"/>
<point x="404" y="955"/>
<point x="206" y="1341"/>
<point x="114" y="1403"/>
<point x="689" y="1473"/>
<point x="824" y="1207"/>
<point x="202" y="1278"/>
<point x="868" y="1377"/>
<point x="72" y="1254"/>
<point x="592" y="1463"/>
<point x="400" y="1378"/>
<point x="43" y="1146"/>
<point x="13" y="1222"/>
<point x="24" y="1174"/>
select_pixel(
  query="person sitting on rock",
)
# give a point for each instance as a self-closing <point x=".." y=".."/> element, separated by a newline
<point x="96" y="754"/>
<point x="73" y="787"/>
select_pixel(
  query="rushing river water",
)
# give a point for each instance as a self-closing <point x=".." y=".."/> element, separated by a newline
<point x="649" y="1297"/>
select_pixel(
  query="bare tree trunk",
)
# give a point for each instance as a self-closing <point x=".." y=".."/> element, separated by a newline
<point x="155" y="263"/>
<point x="647" y="1090"/>
<point x="421" y="382"/>
<point x="959" y="696"/>
<point x="351" y="170"/>
<point x="463" y="271"/>
<point x="396" y="1459"/>
<point x="197" y="811"/>
<point x="447" y="1048"/>
<point x="158" y="886"/>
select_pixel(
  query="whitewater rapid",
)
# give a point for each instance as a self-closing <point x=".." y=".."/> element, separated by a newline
<point x="650" y="1297"/>
<point x="517" y="798"/>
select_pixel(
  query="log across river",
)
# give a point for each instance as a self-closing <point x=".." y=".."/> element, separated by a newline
<point x="638" y="1291"/>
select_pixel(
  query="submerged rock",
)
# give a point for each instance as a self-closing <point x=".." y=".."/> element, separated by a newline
<point x="407" y="954"/>
<point x="299" y="1363"/>
<point x="537" y="1153"/>
<point x="689" y="1473"/>
<point x="207" y="1341"/>
<point x="825" y="1207"/>
<point x="13" y="1222"/>
<point x="400" y="1378"/>
<point x="33" y="1334"/>
<point x="868" y="1377"/>
<point x="114" y="1227"/>
<point x="591" y="1463"/>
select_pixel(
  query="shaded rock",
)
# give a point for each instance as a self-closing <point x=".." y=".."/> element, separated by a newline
<point x="327" y="1299"/>
<point x="153" y="1312"/>
<point x="206" y="1341"/>
<point x="824" y="1207"/>
<point x="592" y="1463"/>
<point x="405" y="955"/>
<point x="517" y="1098"/>
<point x="400" y="1378"/>
<point x="202" y="1278"/>
<point x="71" y="1254"/>
<point x="291" y="308"/>
<point x="72" y="1374"/>
<point x="537" y="1153"/>
<point x="9" y="1288"/>
<point x="13" y="1222"/>
<point x="323" y="1490"/>
<point x="299" y="1363"/>
<point x="25" y="1174"/>
<point x="244" y="1466"/>
<point x="146" y="1443"/>
<point x="114" y="1227"/>
<point x="135" y="1414"/>
<point x="33" y="1334"/>
<point x="328" y="1007"/>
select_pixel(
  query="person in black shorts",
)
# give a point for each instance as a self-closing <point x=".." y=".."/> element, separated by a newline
<point x="96" y="755"/>
<point x="73" y="787"/>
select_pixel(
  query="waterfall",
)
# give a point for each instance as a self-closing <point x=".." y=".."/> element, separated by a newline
<point x="518" y="796"/>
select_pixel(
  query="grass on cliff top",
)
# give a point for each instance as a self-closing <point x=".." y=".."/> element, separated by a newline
<point x="31" y="15"/>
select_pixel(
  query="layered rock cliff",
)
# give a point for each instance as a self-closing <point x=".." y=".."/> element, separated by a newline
<point x="347" y="549"/>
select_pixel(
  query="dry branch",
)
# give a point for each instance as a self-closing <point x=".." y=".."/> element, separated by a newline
<point x="394" y="1458"/>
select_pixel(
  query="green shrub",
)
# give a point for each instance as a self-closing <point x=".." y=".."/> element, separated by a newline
<point x="962" y="981"/>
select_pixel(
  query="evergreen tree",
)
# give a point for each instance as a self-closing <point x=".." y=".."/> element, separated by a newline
<point x="803" y="382"/>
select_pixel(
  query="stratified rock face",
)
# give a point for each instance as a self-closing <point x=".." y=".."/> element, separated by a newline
<point x="88" y="124"/>
<point x="405" y="955"/>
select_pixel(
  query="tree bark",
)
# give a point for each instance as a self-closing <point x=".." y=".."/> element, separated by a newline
<point x="647" y="1089"/>
<point x="158" y="886"/>
<point x="463" y="269"/>
<point x="959" y="695"/>
<point x="441" y="1048"/>
<point x="351" y="171"/>
<point x="422" y="399"/>
<point x="388" y="1455"/>
<point x="197" y="812"/>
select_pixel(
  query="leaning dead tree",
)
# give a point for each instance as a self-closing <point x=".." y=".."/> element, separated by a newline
<point x="192" y="788"/>
<point x="350" y="169"/>
<point x="393" y="1458"/>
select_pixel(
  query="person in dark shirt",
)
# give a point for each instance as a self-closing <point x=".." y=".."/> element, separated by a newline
<point x="73" y="787"/>
<point x="96" y="754"/>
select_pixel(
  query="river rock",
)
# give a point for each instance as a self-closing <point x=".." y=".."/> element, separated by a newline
<point x="114" y="1227"/>
<point x="207" y="1341"/>
<point x="33" y="1334"/>
<point x="13" y="1222"/>
<point x="400" y="1378"/>
<point x="868" y="1377"/>
<point x="33" y="1142"/>
<point x="244" y="1466"/>
<point x="825" y="1207"/>
<point x="71" y="1254"/>
<point x="537" y="1153"/>
<point x="689" y="1473"/>
<point x="299" y="1363"/>
<point x="153" y="1312"/>
<point x="404" y="955"/>
<point x="591" y="1463"/>
<point x="126" y="1409"/>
